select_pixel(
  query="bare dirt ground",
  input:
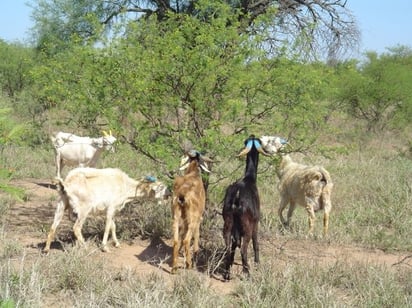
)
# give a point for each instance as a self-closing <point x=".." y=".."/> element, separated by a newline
<point x="30" y="221"/>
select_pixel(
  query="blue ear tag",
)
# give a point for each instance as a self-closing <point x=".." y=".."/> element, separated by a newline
<point x="249" y="144"/>
<point x="150" y="178"/>
<point x="193" y="153"/>
<point x="257" y="144"/>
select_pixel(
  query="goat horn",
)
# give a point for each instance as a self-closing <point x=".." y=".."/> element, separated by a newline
<point x="204" y="168"/>
<point x="247" y="148"/>
<point x="244" y="151"/>
<point x="262" y="151"/>
<point x="183" y="167"/>
<point x="184" y="160"/>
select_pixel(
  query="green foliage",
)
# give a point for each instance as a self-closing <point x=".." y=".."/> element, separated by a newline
<point x="8" y="303"/>
<point x="61" y="23"/>
<point x="9" y="132"/>
<point x="184" y="80"/>
<point x="379" y="90"/>
<point x="16" y="62"/>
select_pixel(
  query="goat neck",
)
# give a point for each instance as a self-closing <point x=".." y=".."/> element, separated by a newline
<point x="252" y="148"/>
<point x="252" y="161"/>
<point x="193" y="167"/>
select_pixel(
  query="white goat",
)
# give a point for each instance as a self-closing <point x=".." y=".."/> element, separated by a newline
<point x="309" y="186"/>
<point x="79" y="151"/>
<point x="88" y="190"/>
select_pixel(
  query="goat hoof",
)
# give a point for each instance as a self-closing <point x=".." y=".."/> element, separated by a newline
<point x="105" y="249"/>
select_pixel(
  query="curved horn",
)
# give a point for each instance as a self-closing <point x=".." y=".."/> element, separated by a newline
<point x="204" y="168"/>
<point x="246" y="149"/>
<point x="184" y="162"/>
<point x="244" y="152"/>
<point x="262" y="151"/>
<point x="183" y="167"/>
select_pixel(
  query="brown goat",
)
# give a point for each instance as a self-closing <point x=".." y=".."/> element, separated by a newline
<point x="189" y="200"/>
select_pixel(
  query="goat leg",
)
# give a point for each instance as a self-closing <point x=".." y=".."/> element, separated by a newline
<point x="243" y="252"/>
<point x="176" y="244"/>
<point x="229" y="259"/>
<point x="255" y="244"/>
<point x="186" y="245"/>
<point x="57" y="218"/>
<point x="282" y="206"/>
<point x="312" y="217"/>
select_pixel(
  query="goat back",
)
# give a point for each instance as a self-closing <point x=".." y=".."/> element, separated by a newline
<point x="242" y="197"/>
<point x="188" y="190"/>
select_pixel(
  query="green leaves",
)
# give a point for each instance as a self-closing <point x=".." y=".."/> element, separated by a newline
<point x="379" y="90"/>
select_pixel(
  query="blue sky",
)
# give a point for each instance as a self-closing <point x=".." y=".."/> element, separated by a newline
<point x="382" y="23"/>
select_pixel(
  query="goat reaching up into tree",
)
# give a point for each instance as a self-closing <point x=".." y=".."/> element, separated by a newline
<point x="188" y="205"/>
<point x="241" y="210"/>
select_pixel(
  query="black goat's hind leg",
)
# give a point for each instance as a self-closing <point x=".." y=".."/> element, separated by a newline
<point x="255" y="245"/>
<point x="230" y="257"/>
<point x="243" y="252"/>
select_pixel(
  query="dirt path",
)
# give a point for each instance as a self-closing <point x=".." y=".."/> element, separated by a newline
<point x="28" y="223"/>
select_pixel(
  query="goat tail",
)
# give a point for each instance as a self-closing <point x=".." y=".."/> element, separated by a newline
<point x="180" y="199"/>
<point x="326" y="190"/>
<point x="325" y="176"/>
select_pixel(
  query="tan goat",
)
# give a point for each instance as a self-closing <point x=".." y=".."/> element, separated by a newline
<point x="88" y="190"/>
<point x="309" y="186"/>
<point x="188" y="204"/>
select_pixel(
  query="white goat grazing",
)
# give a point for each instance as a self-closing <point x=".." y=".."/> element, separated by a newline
<point x="309" y="186"/>
<point x="79" y="151"/>
<point x="87" y="190"/>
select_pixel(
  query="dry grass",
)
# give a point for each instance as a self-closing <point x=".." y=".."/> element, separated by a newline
<point x="371" y="209"/>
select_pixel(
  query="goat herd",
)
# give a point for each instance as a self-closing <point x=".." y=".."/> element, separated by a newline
<point x="87" y="189"/>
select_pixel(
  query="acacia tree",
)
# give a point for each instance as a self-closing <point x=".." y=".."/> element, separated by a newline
<point x="181" y="80"/>
<point x="311" y="28"/>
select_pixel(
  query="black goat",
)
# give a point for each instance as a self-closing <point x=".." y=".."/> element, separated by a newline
<point x="241" y="209"/>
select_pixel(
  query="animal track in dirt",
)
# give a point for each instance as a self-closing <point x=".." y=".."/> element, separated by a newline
<point x="29" y="221"/>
